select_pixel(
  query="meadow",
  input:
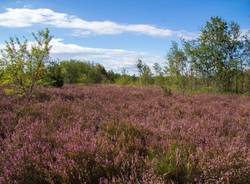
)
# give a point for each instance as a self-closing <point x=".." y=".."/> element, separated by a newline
<point x="123" y="134"/>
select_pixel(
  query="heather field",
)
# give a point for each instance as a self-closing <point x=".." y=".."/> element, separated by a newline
<point x="114" y="134"/>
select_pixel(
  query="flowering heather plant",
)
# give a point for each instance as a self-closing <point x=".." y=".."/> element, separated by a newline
<point x="113" y="134"/>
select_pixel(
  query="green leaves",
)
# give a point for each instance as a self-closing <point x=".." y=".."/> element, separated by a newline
<point x="144" y="72"/>
<point x="54" y="76"/>
<point x="24" y="62"/>
<point x="76" y="71"/>
<point x="176" y="60"/>
<point x="176" y="164"/>
<point x="219" y="53"/>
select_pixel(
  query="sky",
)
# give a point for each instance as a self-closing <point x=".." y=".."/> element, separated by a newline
<point x="116" y="33"/>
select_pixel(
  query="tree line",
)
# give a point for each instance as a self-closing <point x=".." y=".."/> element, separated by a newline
<point x="217" y="60"/>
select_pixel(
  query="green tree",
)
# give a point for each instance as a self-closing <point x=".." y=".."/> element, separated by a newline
<point x="54" y="76"/>
<point x="176" y="61"/>
<point x="75" y="71"/>
<point x="144" y="72"/>
<point x="24" y="63"/>
<point x="219" y="53"/>
<point x="72" y="71"/>
<point x="112" y="76"/>
<point x="159" y="74"/>
<point x="158" y="69"/>
<point x="177" y="65"/>
<point x="100" y="74"/>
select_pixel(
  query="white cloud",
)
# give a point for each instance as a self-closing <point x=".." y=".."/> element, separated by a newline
<point x="26" y="17"/>
<point x="114" y="59"/>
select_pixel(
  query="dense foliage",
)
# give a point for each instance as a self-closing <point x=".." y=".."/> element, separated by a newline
<point x="218" y="58"/>
<point x="23" y="64"/>
<point x="83" y="72"/>
<point x="54" y="75"/>
<point x="102" y="134"/>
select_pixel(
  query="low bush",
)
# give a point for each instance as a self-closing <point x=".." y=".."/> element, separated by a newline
<point x="166" y="90"/>
<point x="54" y="76"/>
<point x="176" y="164"/>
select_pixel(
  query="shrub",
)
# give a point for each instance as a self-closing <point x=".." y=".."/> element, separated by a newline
<point x="54" y="76"/>
<point x="124" y="80"/>
<point x="24" y="68"/>
<point x="75" y="71"/>
<point x="175" y="165"/>
<point x="166" y="90"/>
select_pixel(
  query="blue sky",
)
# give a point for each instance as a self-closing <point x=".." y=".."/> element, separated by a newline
<point x="116" y="32"/>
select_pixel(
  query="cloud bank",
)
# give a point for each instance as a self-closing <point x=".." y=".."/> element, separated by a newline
<point x="26" y="17"/>
<point x="112" y="59"/>
<point x="115" y="59"/>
